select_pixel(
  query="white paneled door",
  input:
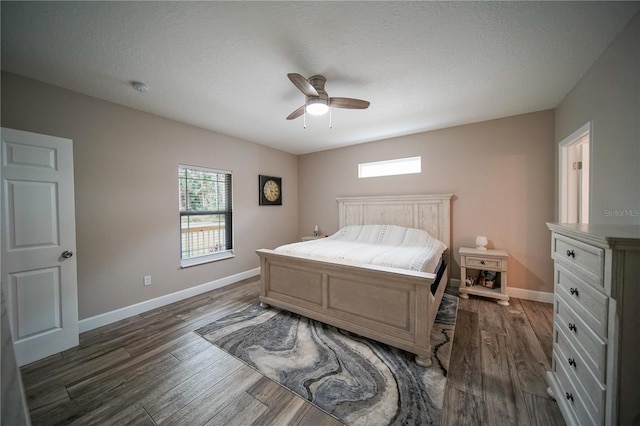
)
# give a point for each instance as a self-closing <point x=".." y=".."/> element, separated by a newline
<point x="39" y="278"/>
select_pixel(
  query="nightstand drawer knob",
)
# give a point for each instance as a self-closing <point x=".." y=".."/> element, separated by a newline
<point x="482" y="262"/>
<point x="574" y="291"/>
<point x="569" y="396"/>
<point x="573" y="327"/>
<point x="571" y="253"/>
<point x="572" y="362"/>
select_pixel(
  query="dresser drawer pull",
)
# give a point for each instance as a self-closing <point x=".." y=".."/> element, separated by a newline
<point x="573" y="328"/>
<point x="482" y="262"/>
<point x="571" y="253"/>
<point x="569" y="396"/>
<point x="572" y="362"/>
<point x="574" y="291"/>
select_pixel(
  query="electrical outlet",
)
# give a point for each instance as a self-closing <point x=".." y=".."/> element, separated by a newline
<point x="147" y="280"/>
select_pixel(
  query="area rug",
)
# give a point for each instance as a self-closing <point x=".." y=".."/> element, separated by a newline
<point x="357" y="380"/>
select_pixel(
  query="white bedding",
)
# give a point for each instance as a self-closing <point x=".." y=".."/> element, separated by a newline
<point x="382" y="245"/>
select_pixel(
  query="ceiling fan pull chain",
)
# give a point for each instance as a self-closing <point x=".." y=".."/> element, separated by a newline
<point x="330" y="125"/>
<point x="304" y="117"/>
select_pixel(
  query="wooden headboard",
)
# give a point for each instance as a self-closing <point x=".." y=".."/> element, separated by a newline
<point x="431" y="212"/>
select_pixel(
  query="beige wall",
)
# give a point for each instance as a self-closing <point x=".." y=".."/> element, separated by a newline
<point x="609" y="97"/>
<point x="500" y="172"/>
<point x="126" y="192"/>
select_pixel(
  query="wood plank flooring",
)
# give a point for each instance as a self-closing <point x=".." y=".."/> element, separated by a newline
<point x="498" y="362"/>
<point x="151" y="369"/>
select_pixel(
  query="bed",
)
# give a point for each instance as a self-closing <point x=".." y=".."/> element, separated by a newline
<point x="385" y="303"/>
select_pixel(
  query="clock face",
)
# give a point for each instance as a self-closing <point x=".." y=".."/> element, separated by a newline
<point x="271" y="190"/>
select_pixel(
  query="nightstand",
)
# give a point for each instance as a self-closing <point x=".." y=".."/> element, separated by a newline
<point x="312" y="237"/>
<point x="472" y="261"/>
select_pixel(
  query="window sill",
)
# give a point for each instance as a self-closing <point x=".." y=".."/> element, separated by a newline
<point x="187" y="263"/>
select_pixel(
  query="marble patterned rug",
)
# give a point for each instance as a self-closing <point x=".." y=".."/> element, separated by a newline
<point x="357" y="380"/>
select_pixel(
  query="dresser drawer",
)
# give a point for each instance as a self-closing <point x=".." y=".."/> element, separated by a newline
<point x="591" y="305"/>
<point x="483" y="263"/>
<point x="584" y="259"/>
<point x="584" y="339"/>
<point x="594" y="390"/>
<point x="582" y="415"/>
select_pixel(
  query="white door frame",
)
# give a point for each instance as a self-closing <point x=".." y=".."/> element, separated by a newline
<point x="573" y="192"/>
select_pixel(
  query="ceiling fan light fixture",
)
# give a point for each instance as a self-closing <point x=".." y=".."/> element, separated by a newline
<point x="317" y="106"/>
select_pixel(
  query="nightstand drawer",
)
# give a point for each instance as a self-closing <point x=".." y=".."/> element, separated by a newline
<point x="582" y="258"/>
<point x="590" y="304"/>
<point x="483" y="263"/>
<point x="581" y="337"/>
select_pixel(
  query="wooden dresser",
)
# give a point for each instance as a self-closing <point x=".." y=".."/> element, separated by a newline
<point x="595" y="374"/>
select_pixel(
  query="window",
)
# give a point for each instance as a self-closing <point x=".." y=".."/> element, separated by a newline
<point x="206" y="231"/>
<point x="399" y="166"/>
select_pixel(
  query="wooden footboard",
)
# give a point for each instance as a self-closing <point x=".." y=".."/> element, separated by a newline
<point x="385" y="304"/>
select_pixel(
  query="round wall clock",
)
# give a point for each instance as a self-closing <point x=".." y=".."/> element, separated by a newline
<point x="270" y="190"/>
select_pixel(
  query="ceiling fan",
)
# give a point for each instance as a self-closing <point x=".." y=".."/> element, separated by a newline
<point x="318" y="101"/>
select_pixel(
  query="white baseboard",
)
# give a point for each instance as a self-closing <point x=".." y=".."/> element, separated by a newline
<point x="536" y="296"/>
<point x="519" y="293"/>
<point x="128" y="311"/>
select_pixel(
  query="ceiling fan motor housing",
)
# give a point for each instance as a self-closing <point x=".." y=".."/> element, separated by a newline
<point x="318" y="81"/>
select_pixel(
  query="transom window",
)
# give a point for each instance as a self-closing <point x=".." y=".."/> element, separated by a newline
<point x="398" y="166"/>
<point x="206" y="231"/>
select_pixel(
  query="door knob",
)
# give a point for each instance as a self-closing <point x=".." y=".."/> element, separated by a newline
<point x="67" y="254"/>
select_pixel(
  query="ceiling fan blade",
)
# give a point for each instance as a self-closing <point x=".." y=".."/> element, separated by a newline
<point x="297" y="113"/>
<point x="348" y="103"/>
<point x="301" y="83"/>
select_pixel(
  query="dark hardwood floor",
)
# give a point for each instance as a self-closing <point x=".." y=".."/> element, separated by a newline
<point x="151" y="369"/>
<point x="498" y="363"/>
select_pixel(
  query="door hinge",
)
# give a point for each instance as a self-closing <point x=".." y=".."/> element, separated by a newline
<point x="577" y="165"/>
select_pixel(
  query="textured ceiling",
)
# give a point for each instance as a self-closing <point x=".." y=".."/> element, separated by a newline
<point x="223" y="65"/>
